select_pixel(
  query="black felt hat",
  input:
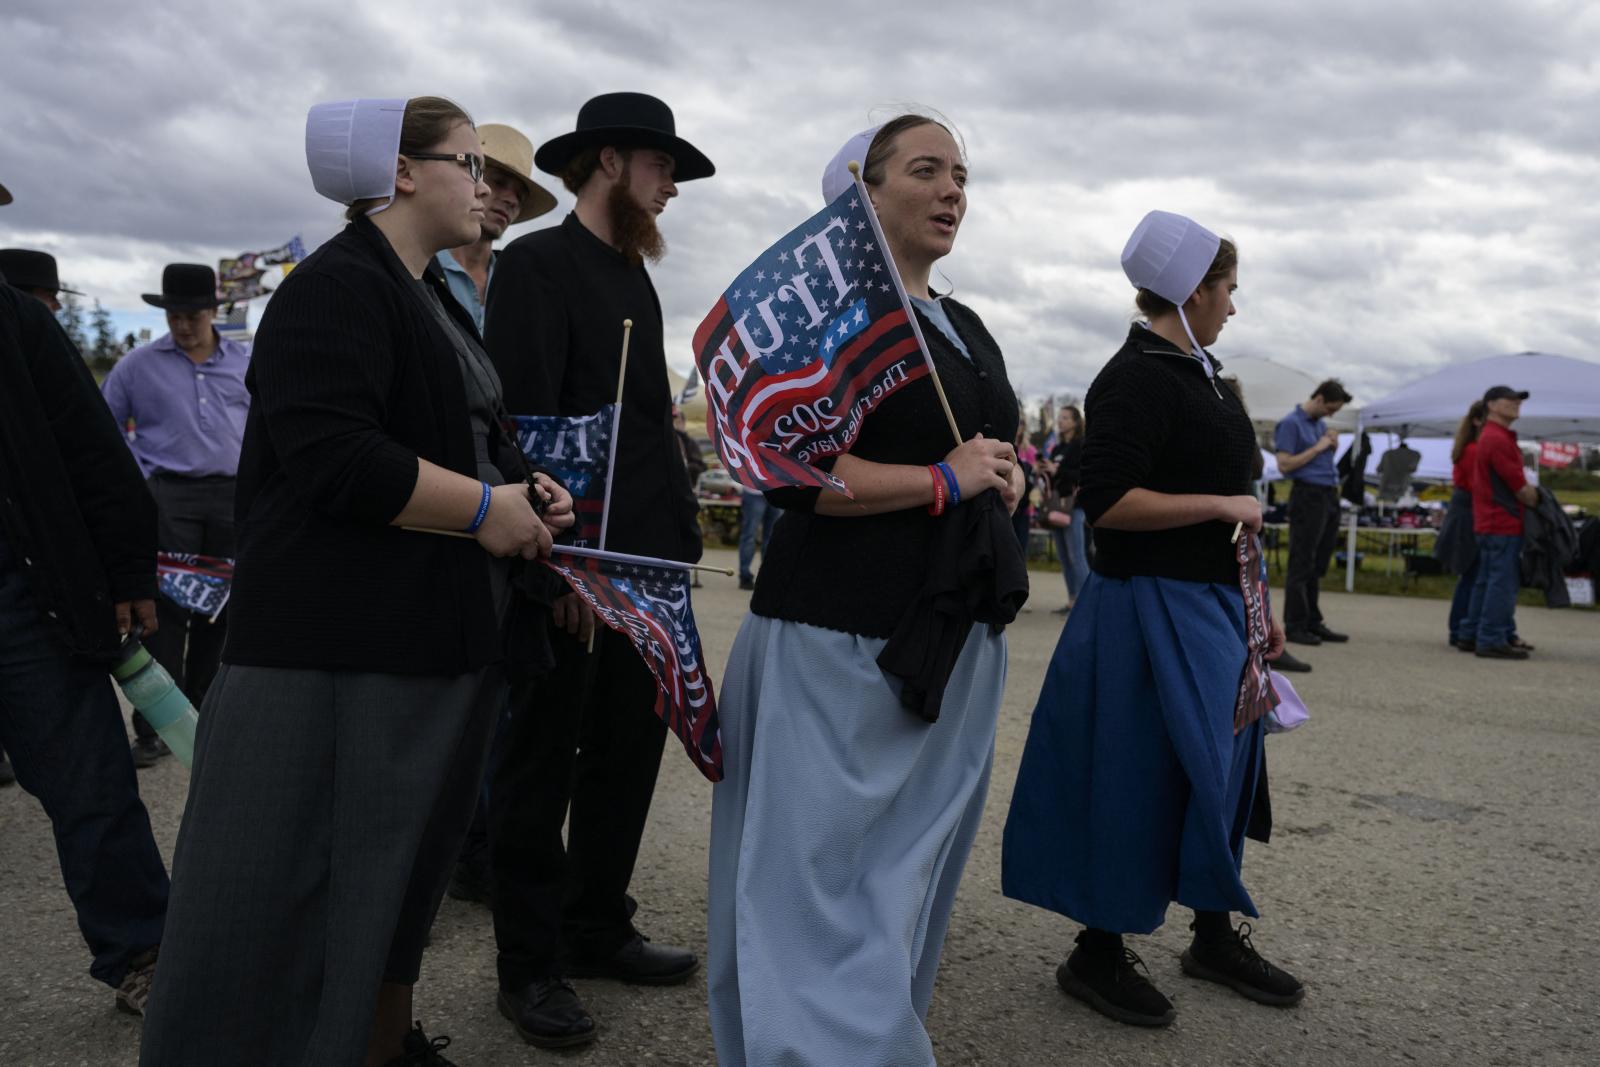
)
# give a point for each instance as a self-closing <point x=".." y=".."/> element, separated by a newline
<point x="26" y="269"/>
<point x="186" y="287"/>
<point x="625" y="120"/>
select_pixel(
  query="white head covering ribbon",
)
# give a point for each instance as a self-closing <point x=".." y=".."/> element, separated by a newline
<point x="351" y="147"/>
<point x="1169" y="255"/>
<point x="836" y="176"/>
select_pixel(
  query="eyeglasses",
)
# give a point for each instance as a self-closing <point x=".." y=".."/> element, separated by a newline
<point x="474" y="164"/>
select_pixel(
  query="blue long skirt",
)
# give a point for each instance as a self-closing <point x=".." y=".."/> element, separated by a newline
<point x="1134" y="790"/>
<point x="838" y="837"/>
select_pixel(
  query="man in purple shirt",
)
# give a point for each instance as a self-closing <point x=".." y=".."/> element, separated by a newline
<point x="181" y="401"/>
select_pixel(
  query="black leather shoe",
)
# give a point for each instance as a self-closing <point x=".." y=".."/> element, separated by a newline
<point x="1466" y="644"/>
<point x="1500" y="652"/>
<point x="548" y="1014"/>
<point x="747" y="584"/>
<point x="640" y="963"/>
<point x="147" y="750"/>
<point x="1322" y="631"/>
<point x="1301" y="637"/>
<point x="1287" y="662"/>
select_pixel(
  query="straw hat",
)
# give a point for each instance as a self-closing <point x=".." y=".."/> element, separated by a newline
<point x="508" y="149"/>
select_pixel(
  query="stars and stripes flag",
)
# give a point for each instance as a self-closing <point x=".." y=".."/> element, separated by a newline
<point x="803" y="345"/>
<point x="200" y="584"/>
<point x="577" y="450"/>
<point x="1256" y="693"/>
<point x="650" y="605"/>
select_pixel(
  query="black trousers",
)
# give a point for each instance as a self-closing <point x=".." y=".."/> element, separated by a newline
<point x="1313" y="533"/>
<point x="583" y="747"/>
<point x="192" y="515"/>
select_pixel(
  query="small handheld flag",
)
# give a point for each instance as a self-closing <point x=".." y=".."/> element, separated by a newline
<point x="577" y="450"/>
<point x="650" y="605"/>
<point x="201" y="584"/>
<point x="804" y="344"/>
<point x="1256" y="694"/>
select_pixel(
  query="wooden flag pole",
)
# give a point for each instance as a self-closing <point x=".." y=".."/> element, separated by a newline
<point x="905" y="301"/>
<point x="616" y="435"/>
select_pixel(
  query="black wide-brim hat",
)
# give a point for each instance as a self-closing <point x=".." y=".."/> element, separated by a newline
<point x="25" y="268"/>
<point x="186" y="287"/>
<point x="625" y="120"/>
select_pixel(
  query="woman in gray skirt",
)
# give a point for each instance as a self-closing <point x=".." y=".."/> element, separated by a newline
<point x="343" y="740"/>
<point x="840" y="831"/>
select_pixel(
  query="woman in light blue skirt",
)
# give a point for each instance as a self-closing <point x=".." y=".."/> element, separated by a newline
<point x="840" y="831"/>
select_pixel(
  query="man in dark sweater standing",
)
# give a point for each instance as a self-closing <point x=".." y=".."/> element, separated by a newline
<point x="1305" y="453"/>
<point x="587" y="739"/>
<point x="77" y="569"/>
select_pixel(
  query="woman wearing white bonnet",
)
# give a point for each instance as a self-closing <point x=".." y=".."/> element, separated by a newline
<point x="840" y="832"/>
<point x="1136" y="787"/>
<point x="342" y="743"/>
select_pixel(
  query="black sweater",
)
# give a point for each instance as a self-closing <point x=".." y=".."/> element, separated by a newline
<point x="1155" y="421"/>
<point x="352" y="380"/>
<point x="73" y="507"/>
<point x="554" y="330"/>
<point x="860" y="574"/>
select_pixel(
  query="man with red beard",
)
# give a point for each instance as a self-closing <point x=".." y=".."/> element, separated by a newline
<point x="585" y="736"/>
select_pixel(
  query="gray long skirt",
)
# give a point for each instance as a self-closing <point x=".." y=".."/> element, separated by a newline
<point x="325" y="811"/>
<point x="838" y="838"/>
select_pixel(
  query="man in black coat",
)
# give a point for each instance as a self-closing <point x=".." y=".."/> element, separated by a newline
<point x="587" y="742"/>
<point x="77" y="568"/>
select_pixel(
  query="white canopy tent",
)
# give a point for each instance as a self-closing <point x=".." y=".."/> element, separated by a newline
<point x="1563" y="405"/>
<point x="1272" y="389"/>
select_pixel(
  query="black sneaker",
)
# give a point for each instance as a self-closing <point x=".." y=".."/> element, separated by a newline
<point x="1326" y="634"/>
<point x="1467" y="644"/>
<point x="747" y="584"/>
<point x="147" y="750"/>
<point x="1111" y="984"/>
<point x="1500" y="652"/>
<point x="547" y="1014"/>
<point x="1301" y="637"/>
<point x="418" y="1050"/>
<point x="1234" y="962"/>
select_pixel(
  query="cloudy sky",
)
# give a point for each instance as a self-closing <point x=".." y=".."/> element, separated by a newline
<point x="1410" y="183"/>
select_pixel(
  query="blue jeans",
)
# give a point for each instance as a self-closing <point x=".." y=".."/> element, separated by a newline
<point x="60" y="722"/>
<point x="754" y="513"/>
<point x="1494" y="596"/>
<point x="1071" y="551"/>
<point x="1463" y="624"/>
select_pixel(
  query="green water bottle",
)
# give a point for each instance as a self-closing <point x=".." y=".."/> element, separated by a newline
<point x="152" y="690"/>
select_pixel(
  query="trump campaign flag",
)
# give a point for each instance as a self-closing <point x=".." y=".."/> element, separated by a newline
<point x="200" y="584"/>
<point x="1257" y="696"/>
<point x="803" y="345"/>
<point x="577" y="450"/>
<point x="648" y="601"/>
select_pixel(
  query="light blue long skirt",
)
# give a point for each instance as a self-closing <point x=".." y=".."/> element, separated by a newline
<point x="838" y="838"/>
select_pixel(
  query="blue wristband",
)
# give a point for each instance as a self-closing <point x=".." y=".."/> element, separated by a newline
<point x="483" y="510"/>
<point x="950" y="481"/>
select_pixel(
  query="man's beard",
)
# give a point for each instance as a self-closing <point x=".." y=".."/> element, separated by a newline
<point x="633" y="228"/>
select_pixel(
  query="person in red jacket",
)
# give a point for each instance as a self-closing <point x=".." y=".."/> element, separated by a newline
<point x="1499" y="493"/>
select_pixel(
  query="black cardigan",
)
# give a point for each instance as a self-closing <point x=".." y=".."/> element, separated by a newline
<point x="73" y="507"/>
<point x="1154" y="421"/>
<point x="352" y="379"/>
<point x="860" y="574"/>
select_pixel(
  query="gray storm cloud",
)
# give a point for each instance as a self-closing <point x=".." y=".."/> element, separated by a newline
<point x="1407" y="189"/>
